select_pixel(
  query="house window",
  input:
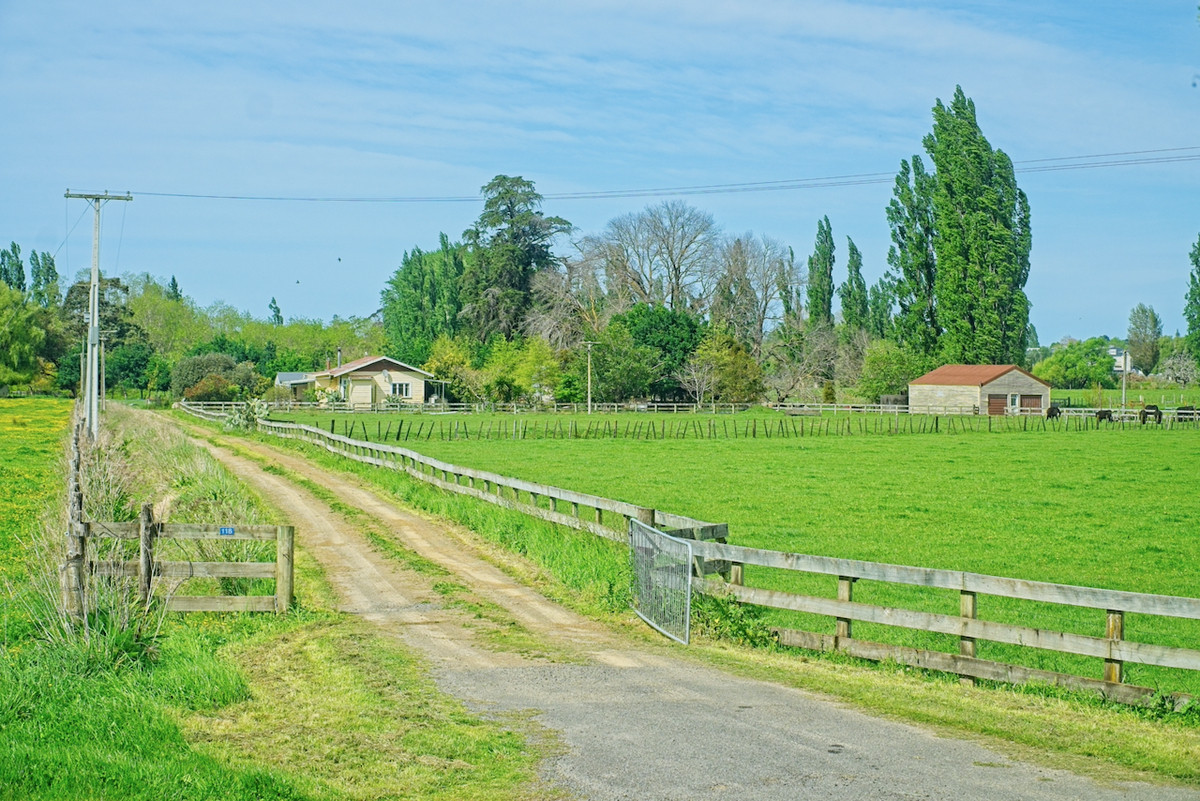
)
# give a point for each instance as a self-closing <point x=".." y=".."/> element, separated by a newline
<point x="403" y="390"/>
<point x="1014" y="401"/>
<point x="344" y="387"/>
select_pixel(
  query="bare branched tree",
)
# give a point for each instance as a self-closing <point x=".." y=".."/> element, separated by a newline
<point x="665" y="254"/>
<point x="800" y="361"/>
<point x="572" y="302"/>
<point x="698" y="377"/>
<point x="747" y="297"/>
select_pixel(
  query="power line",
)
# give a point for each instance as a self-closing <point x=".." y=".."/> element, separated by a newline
<point x="1130" y="158"/>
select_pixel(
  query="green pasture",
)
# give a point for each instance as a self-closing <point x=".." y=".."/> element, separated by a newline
<point x="32" y="432"/>
<point x="1114" y="507"/>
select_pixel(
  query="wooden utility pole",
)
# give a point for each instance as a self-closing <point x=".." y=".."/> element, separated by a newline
<point x="90" y="384"/>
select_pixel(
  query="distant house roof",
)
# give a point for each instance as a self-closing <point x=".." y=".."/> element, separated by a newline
<point x="974" y="375"/>
<point x="367" y="363"/>
<point x="291" y="379"/>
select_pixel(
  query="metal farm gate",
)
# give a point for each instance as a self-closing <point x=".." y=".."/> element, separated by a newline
<point x="662" y="579"/>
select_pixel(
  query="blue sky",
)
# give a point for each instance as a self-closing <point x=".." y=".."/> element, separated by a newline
<point x="431" y="100"/>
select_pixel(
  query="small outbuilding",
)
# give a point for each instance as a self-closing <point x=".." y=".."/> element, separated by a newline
<point x="996" y="389"/>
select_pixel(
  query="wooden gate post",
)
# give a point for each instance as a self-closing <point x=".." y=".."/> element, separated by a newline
<point x="145" y="552"/>
<point x="285" y="538"/>
<point x="1114" y="630"/>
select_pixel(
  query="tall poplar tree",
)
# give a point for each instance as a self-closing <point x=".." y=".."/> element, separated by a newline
<point x="1191" y="305"/>
<point x="421" y="302"/>
<point x="12" y="269"/>
<point x="44" y="287"/>
<point x="853" y="293"/>
<point x="820" y="277"/>
<point x="982" y="241"/>
<point x="912" y="259"/>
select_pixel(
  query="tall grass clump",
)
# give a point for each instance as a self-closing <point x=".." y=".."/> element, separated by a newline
<point x="137" y="459"/>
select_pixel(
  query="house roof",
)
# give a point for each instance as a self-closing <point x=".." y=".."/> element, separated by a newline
<point x="291" y="379"/>
<point x="974" y="375"/>
<point x="371" y="364"/>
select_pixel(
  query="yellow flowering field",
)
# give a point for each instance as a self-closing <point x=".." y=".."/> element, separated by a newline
<point x="31" y="447"/>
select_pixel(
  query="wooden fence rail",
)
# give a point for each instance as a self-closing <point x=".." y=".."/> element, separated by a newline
<point x="146" y="531"/>
<point x="714" y="555"/>
<point x="1112" y="648"/>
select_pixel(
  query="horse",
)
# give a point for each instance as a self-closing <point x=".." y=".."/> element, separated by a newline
<point x="1104" y="414"/>
<point x="1186" y="413"/>
<point x="1150" y="411"/>
<point x="1053" y="413"/>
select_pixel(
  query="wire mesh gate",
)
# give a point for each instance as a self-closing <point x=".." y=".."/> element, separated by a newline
<point x="662" y="580"/>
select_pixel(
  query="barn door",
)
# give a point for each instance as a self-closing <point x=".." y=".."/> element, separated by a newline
<point x="1031" y="404"/>
<point x="997" y="404"/>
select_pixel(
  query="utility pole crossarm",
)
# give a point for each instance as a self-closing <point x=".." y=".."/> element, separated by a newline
<point x="97" y="195"/>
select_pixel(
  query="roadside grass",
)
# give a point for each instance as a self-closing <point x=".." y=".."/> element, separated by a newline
<point x="1048" y="725"/>
<point x="363" y="718"/>
<point x="311" y="705"/>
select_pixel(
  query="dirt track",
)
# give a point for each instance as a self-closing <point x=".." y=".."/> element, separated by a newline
<point x="637" y="723"/>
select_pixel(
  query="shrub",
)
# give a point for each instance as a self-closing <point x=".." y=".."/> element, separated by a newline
<point x="190" y="371"/>
<point x="212" y="388"/>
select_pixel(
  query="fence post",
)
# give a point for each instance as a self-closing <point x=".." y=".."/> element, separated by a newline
<point x="1114" y="631"/>
<point x="285" y="537"/>
<point x="73" y="568"/>
<point x="966" y="645"/>
<point x="845" y="593"/>
<point x="145" y="552"/>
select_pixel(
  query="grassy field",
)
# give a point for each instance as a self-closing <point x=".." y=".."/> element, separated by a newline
<point x="1112" y="508"/>
<point x="312" y="705"/>
<point x="32" y="432"/>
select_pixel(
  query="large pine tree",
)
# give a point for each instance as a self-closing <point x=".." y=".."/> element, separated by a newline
<point x="509" y="242"/>
<point x="982" y="241"/>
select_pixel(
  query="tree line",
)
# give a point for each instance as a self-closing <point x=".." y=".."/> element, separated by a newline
<point x="156" y="339"/>
<point x="660" y="303"/>
<point x="669" y="307"/>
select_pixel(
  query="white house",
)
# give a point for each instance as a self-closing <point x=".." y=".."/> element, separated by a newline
<point x="364" y="382"/>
